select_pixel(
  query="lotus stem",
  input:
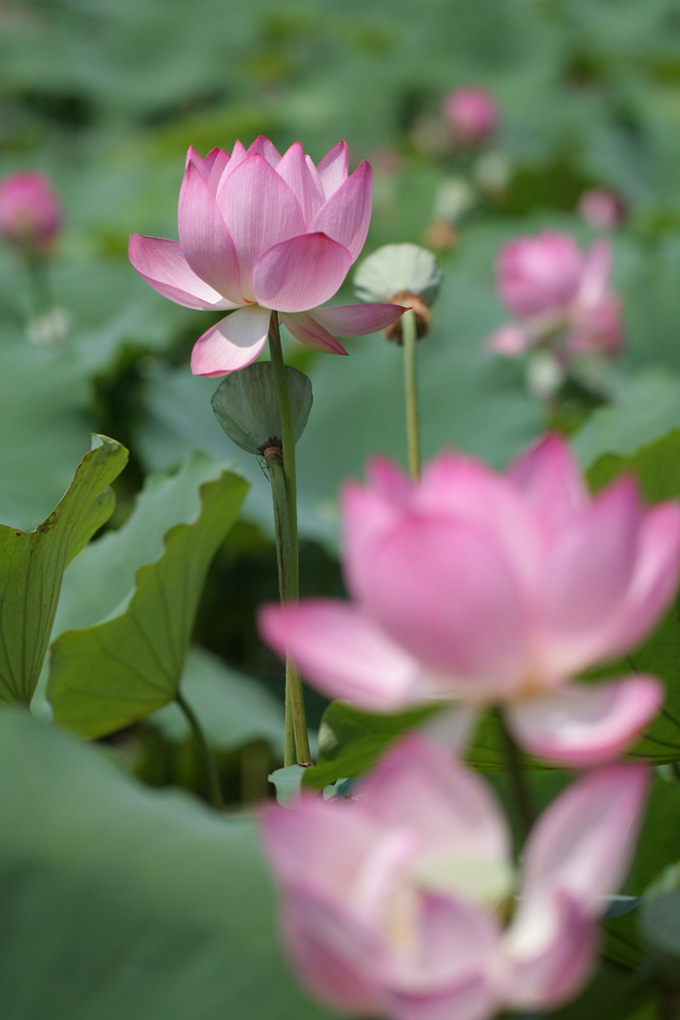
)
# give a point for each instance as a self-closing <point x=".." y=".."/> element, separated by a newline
<point x="409" y="339"/>
<point x="206" y="754"/>
<point x="284" y="494"/>
<point x="519" y="788"/>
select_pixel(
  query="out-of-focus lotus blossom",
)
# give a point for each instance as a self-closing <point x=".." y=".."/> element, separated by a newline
<point x="560" y="296"/>
<point x="601" y="209"/>
<point x="471" y="115"/>
<point x="401" y="903"/>
<point x="494" y="589"/>
<point x="260" y="232"/>
<point x="30" y="214"/>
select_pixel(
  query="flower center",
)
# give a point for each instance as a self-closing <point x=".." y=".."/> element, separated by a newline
<point x="487" y="883"/>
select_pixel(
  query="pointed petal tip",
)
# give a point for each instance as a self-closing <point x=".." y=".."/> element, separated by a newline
<point x="587" y="725"/>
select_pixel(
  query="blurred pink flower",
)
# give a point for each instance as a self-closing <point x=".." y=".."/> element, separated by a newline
<point x="494" y="589"/>
<point x="471" y="115"/>
<point x="601" y="209"/>
<point x="260" y="232"/>
<point x="30" y="215"/>
<point x="401" y="903"/>
<point x="560" y="297"/>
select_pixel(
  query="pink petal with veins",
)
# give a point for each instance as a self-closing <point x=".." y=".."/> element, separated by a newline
<point x="300" y="273"/>
<point x="162" y="264"/>
<point x="204" y="238"/>
<point x="305" y="184"/>
<point x="259" y="210"/>
<point x="583" y="842"/>
<point x="357" y="320"/>
<point x="345" y="655"/>
<point x="308" y="331"/>
<point x="446" y="593"/>
<point x="232" y="344"/>
<point x="347" y="213"/>
<point x="333" y="169"/>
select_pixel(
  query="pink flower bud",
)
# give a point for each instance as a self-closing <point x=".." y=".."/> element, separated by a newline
<point x="30" y="215"/>
<point x="601" y="209"/>
<point x="471" y="114"/>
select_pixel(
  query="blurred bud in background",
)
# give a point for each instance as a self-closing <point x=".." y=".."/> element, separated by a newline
<point x="30" y="213"/>
<point x="471" y="115"/>
<point x="560" y="297"/>
<point x="601" y="209"/>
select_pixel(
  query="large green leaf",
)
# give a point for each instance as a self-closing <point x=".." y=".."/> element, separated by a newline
<point x="119" y="901"/>
<point x="32" y="564"/>
<point x="117" y="670"/>
<point x="646" y="408"/>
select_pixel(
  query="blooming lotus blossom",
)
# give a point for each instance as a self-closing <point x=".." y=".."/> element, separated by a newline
<point x="401" y="903"/>
<point x="260" y="232"/>
<point x="30" y="215"/>
<point x="560" y="297"/>
<point x="494" y="589"/>
<point x="471" y="115"/>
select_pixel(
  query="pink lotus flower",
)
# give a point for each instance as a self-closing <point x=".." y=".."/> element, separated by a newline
<point x="261" y="232"/>
<point x="492" y="589"/>
<point x="471" y="114"/>
<point x="560" y="297"/>
<point x="30" y="215"/>
<point x="401" y="903"/>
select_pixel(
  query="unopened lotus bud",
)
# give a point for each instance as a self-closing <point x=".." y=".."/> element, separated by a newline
<point x="601" y="209"/>
<point x="30" y="215"/>
<point x="247" y="410"/>
<point x="471" y="115"/>
<point x="404" y="274"/>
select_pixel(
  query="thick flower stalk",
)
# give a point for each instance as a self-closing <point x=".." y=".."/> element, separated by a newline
<point x="494" y="589"/>
<point x="560" y="297"/>
<point x="260" y="232"/>
<point x="404" y="902"/>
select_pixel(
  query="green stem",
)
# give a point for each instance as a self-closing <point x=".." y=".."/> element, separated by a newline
<point x="295" y="726"/>
<point x="525" y="811"/>
<point x="285" y="515"/>
<point x="409" y="338"/>
<point x="204" y="751"/>
<point x="41" y="293"/>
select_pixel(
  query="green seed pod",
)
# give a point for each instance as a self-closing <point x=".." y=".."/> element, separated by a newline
<point x="398" y="269"/>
